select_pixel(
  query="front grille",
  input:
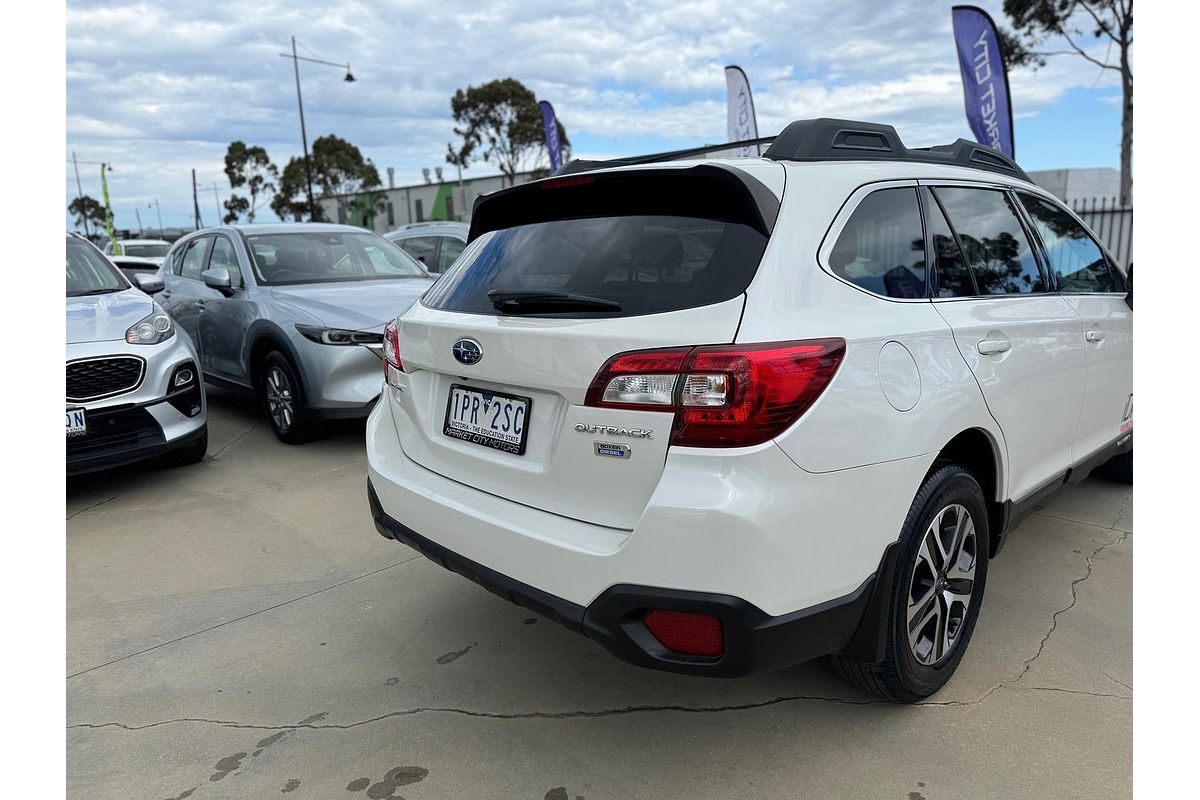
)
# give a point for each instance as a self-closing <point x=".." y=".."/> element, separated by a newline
<point x="94" y="378"/>
<point x="115" y="429"/>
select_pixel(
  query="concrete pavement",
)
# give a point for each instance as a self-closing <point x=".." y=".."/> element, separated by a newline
<point x="237" y="629"/>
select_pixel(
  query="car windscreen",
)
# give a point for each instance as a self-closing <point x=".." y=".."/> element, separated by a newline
<point x="309" y="257"/>
<point x="145" y="250"/>
<point x="88" y="272"/>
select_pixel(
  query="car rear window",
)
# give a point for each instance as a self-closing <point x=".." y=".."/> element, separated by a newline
<point x="647" y="241"/>
<point x="645" y="264"/>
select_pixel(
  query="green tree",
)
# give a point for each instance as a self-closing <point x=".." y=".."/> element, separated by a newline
<point x="369" y="205"/>
<point x="1075" y="21"/>
<point x="252" y="168"/>
<point x="291" y="201"/>
<point x="499" y="122"/>
<point x="235" y="206"/>
<point x="339" y="172"/>
<point x="87" y="210"/>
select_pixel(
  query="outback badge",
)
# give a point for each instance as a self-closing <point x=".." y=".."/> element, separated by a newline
<point x="611" y="450"/>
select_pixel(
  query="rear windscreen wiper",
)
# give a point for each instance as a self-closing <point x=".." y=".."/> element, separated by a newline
<point x="529" y="300"/>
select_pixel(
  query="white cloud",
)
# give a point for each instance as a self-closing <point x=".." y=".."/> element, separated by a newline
<point x="161" y="87"/>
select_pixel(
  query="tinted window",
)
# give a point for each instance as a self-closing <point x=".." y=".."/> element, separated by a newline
<point x="193" y="258"/>
<point x="644" y="263"/>
<point x="88" y="272"/>
<point x="1077" y="261"/>
<point x="283" y="258"/>
<point x="882" y="247"/>
<point x="451" y="249"/>
<point x="951" y="276"/>
<point x="420" y="247"/>
<point x="223" y="255"/>
<point x="145" y="250"/>
<point x="992" y="239"/>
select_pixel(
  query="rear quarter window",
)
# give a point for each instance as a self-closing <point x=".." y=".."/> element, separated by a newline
<point x="882" y="247"/>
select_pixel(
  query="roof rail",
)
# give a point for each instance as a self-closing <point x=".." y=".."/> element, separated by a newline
<point x="828" y="139"/>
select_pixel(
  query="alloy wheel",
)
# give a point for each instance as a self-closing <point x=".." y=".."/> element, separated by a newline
<point x="280" y="399"/>
<point x="941" y="585"/>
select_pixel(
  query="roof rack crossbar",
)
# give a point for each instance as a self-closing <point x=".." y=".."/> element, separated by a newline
<point x="827" y="139"/>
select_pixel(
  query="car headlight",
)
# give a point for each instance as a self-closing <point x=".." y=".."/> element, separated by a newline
<point x="153" y="329"/>
<point x="338" y="335"/>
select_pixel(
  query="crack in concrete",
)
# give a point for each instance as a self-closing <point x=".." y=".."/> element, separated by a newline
<point x="576" y="714"/>
<point x="1122" y="511"/>
<point x="413" y="557"/>
<point x="93" y="505"/>
<point x="1028" y="664"/>
<point x="236" y="439"/>
<point x="208" y="498"/>
<point x="1115" y="680"/>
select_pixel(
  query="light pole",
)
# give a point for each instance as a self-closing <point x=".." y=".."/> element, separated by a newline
<point x="79" y="185"/>
<point x="296" y="59"/>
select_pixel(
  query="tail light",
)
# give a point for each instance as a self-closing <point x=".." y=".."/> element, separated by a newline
<point x="723" y="395"/>
<point x="686" y="632"/>
<point x="391" y="349"/>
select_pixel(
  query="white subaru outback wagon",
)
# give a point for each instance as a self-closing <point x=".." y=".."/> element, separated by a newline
<point x="723" y="416"/>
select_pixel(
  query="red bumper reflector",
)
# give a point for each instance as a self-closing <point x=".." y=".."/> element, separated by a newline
<point x="685" y="632"/>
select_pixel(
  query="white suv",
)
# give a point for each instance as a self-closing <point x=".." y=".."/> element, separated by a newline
<point x="723" y="416"/>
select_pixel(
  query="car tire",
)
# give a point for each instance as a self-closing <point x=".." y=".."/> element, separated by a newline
<point x="1118" y="469"/>
<point x="282" y="397"/>
<point x="191" y="453"/>
<point x="938" y="582"/>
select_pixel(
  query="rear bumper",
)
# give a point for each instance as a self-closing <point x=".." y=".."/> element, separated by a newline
<point x="755" y="641"/>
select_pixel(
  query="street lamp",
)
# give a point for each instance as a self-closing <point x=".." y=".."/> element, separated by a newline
<point x="296" y="59"/>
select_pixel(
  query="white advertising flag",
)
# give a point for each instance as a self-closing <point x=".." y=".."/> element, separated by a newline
<point x="739" y="116"/>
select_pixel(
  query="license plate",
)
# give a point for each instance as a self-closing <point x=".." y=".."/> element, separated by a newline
<point x="492" y="419"/>
<point x="76" y="422"/>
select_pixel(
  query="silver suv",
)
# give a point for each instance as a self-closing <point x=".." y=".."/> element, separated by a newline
<point x="132" y="387"/>
<point x="293" y="313"/>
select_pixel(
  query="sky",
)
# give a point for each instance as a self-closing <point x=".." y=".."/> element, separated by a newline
<point x="160" y="88"/>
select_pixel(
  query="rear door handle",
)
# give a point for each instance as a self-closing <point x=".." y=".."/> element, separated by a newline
<point x="1094" y="336"/>
<point x="989" y="347"/>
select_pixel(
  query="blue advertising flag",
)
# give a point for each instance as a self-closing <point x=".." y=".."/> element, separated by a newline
<point x="553" y="145"/>
<point x="985" y="79"/>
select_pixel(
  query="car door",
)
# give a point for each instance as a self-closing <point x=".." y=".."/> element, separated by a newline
<point x="222" y="318"/>
<point x="1088" y="280"/>
<point x="1019" y="338"/>
<point x="182" y="286"/>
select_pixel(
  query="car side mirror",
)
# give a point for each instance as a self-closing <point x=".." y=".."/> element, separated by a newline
<point x="1129" y="284"/>
<point x="148" y="283"/>
<point x="217" y="278"/>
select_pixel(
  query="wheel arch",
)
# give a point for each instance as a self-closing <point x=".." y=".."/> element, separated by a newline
<point x="263" y="339"/>
<point x="976" y="451"/>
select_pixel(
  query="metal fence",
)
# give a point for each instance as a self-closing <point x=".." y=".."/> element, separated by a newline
<point x="1111" y="222"/>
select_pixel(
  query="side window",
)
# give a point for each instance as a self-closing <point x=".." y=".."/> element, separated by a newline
<point x="993" y="241"/>
<point x="193" y="258"/>
<point x="1076" y="259"/>
<point x="950" y="275"/>
<point x="451" y="249"/>
<point x="882" y="247"/>
<point x="421" y="248"/>
<point x="223" y="255"/>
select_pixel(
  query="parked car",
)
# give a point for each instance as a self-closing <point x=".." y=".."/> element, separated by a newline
<point x="153" y="249"/>
<point x="721" y="426"/>
<point x="434" y="244"/>
<point x="292" y="313"/>
<point x="133" y="386"/>
<point x="135" y="265"/>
